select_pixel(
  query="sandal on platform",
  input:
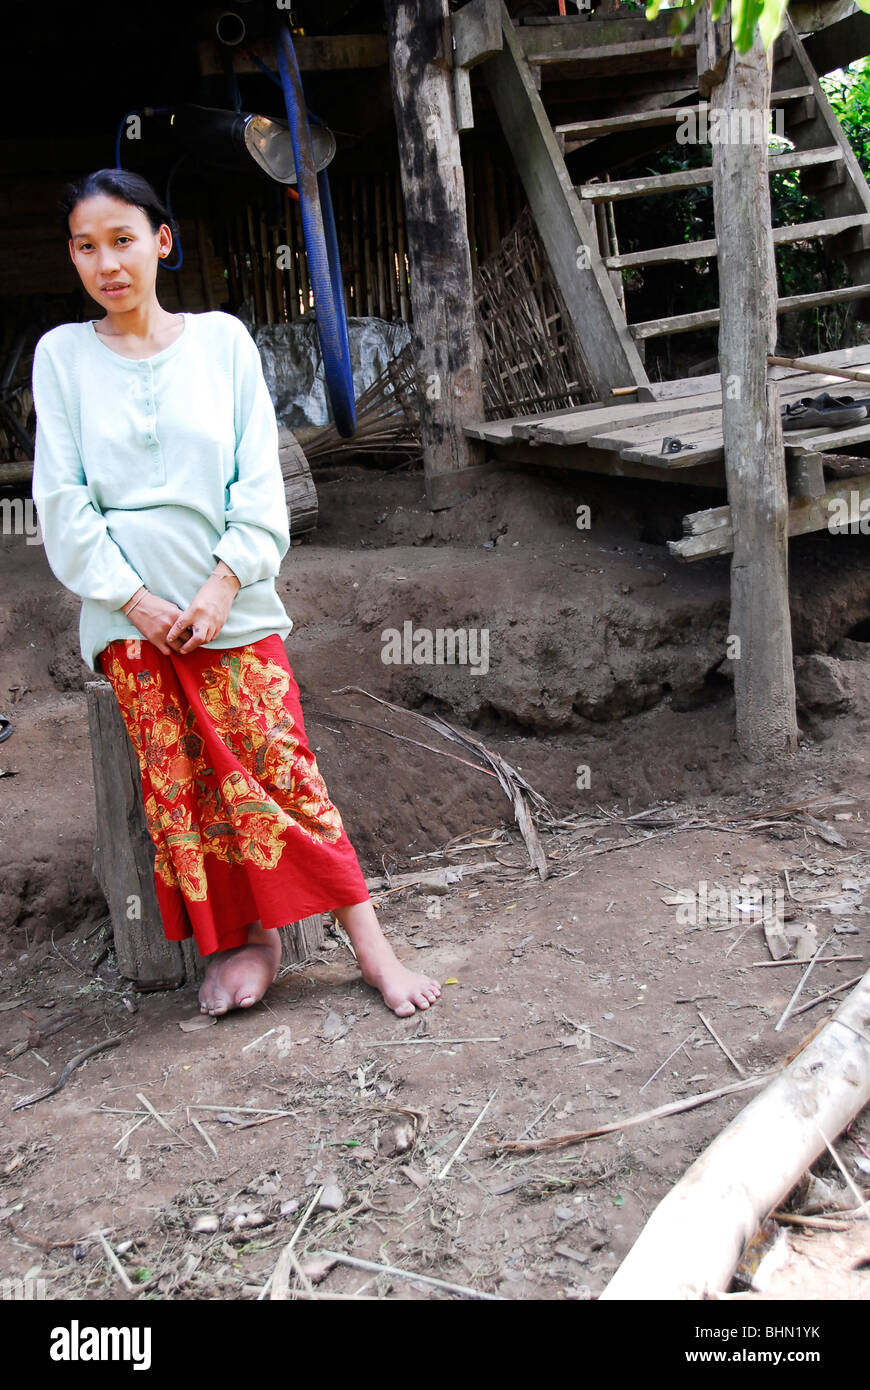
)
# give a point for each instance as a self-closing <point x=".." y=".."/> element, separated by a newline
<point x="823" y="412"/>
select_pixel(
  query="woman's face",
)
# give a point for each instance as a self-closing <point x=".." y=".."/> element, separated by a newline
<point x="115" y="251"/>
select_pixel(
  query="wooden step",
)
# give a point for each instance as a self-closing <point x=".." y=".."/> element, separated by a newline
<point x="662" y="116"/>
<point x="696" y="178"/>
<point x="706" y="250"/>
<point x="708" y="318"/>
<point x="604" y="53"/>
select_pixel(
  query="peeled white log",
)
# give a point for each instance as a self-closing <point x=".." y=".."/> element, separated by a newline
<point x="692" y="1242"/>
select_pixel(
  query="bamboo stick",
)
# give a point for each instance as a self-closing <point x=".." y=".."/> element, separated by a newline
<point x="354" y="202"/>
<point x="692" y="1242"/>
<point x="242" y="257"/>
<point x="845" y="372"/>
<point x="367" y="246"/>
<point x="204" y="265"/>
<point x="381" y="309"/>
<point x="278" y="274"/>
<point x="256" y="278"/>
<point x="339" y="194"/>
<point x="470" y="211"/>
<point x="231" y="261"/>
<point x="402" y="252"/>
<point x="301" y="262"/>
<point x="265" y="264"/>
<point x="292" y="277"/>
<point x="389" y="214"/>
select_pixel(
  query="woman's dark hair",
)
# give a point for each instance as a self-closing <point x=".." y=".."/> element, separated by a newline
<point x="117" y="183"/>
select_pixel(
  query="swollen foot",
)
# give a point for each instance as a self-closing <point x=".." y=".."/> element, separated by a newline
<point x="239" y="978"/>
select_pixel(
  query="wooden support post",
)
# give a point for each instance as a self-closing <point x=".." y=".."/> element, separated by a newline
<point x="124" y="863"/>
<point x="760" y="628"/>
<point x="446" y="344"/>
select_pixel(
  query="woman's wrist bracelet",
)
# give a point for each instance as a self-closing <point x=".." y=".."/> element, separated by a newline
<point x="226" y="573"/>
<point x="136" y="601"/>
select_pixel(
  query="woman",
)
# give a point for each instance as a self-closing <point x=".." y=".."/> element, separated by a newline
<point x="160" y="497"/>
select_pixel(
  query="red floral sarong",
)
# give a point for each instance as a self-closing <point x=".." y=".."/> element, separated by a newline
<point x="239" y="814"/>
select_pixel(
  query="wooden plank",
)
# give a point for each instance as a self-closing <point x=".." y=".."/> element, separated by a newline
<point x="826" y="442"/>
<point x="314" y="53"/>
<point x="840" y="357"/>
<point x="649" y="51"/>
<point x="581" y="459"/>
<point x="840" y="43"/>
<point x="447" y="348"/>
<point x="805" y="514"/>
<point x="695" y="420"/>
<point x="560" y="32"/>
<point x="708" y="318"/>
<point x="562" y="222"/>
<point x="624" y="419"/>
<point x="707" y="250"/>
<point x="620" y="189"/>
<point x="663" y="116"/>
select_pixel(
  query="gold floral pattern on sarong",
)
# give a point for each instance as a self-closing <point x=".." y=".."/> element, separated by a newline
<point x="240" y="814"/>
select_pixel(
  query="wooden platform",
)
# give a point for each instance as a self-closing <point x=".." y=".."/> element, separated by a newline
<point x="626" y="439"/>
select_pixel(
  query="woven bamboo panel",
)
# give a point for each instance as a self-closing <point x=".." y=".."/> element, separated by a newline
<point x="532" y="359"/>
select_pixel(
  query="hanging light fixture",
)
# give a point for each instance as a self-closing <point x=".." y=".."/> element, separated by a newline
<point x="233" y="139"/>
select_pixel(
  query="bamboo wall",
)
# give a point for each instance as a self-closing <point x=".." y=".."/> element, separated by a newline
<point x="372" y="239"/>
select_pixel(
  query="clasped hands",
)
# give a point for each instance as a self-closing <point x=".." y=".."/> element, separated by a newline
<point x="163" y="623"/>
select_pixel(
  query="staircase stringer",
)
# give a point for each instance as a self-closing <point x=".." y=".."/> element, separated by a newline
<point x="563" y="224"/>
<point x="852" y="194"/>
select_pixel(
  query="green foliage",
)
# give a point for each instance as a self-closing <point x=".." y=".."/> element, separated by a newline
<point x="848" y="91"/>
<point x="746" y="17"/>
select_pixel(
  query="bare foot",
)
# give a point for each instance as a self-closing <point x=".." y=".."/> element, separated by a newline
<point x="404" y="990"/>
<point x="238" y="978"/>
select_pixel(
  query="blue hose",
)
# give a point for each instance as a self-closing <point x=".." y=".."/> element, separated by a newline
<point x="321" y="245"/>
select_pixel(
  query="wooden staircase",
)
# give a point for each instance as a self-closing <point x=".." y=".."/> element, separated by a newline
<point x="602" y="93"/>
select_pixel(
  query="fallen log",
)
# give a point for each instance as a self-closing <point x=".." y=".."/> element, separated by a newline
<point x="691" y="1244"/>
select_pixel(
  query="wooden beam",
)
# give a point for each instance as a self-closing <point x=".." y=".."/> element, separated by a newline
<point x="447" y="347"/>
<point x="838" y="45"/>
<point x="563" y="224"/>
<point x="806" y="475"/>
<point x="711" y="532"/>
<point x="318" y="53"/>
<point x="476" y="32"/>
<point x="581" y="459"/>
<point x="760" y="624"/>
<point x="691" y="1244"/>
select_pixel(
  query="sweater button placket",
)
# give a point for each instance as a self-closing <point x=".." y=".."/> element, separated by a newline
<point x="148" y="402"/>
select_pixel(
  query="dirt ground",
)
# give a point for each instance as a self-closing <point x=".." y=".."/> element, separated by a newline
<point x="567" y="1004"/>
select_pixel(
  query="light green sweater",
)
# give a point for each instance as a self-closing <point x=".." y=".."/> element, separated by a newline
<point x="149" y="472"/>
